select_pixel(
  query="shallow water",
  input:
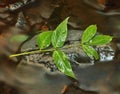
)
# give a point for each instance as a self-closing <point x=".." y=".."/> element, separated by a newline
<point x="39" y="15"/>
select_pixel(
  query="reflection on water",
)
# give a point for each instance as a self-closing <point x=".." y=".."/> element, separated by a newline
<point x="32" y="79"/>
<point x="32" y="16"/>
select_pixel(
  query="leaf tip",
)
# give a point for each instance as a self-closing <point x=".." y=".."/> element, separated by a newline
<point x="67" y="19"/>
<point x="94" y="25"/>
<point x="111" y="37"/>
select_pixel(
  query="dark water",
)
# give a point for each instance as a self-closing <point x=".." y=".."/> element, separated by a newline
<point x="29" y="16"/>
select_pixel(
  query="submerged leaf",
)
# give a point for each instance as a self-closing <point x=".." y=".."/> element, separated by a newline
<point x="44" y="39"/>
<point x="90" y="51"/>
<point x="89" y="33"/>
<point x="60" y="34"/>
<point x="18" y="38"/>
<point x="62" y="63"/>
<point x="100" y="40"/>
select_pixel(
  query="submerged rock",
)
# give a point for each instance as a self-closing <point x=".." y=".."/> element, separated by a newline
<point x="17" y="5"/>
<point x="107" y="52"/>
<point x="21" y="22"/>
<point x="101" y="77"/>
<point x="75" y="52"/>
<point x="34" y="79"/>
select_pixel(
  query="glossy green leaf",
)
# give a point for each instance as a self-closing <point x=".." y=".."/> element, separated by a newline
<point x="60" y="34"/>
<point x="62" y="63"/>
<point x="90" y="51"/>
<point x="100" y="40"/>
<point x="18" y="38"/>
<point x="89" y="33"/>
<point x="44" y="39"/>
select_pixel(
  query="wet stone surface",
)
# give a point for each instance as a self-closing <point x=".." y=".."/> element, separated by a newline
<point x="75" y="53"/>
<point x="43" y="59"/>
<point x="107" y="53"/>
<point x="19" y="4"/>
<point x="22" y="22"/>
<point x="86" y="72"/>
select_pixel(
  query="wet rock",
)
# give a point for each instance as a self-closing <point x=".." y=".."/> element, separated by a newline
<point x="18" y="5"/>
<point x="34" y="19"/>
<point x="102" y="77"/>
<point x="34" y="79"/>
<point x="6" y="17"/>
<point x="31" y="44"/>
<point x="76" y="90"/>
<point x="107" y="52"/>
<point x="39" y="11"/>
<point x="42" y="59"/>
<point x="72" y="52"/>
<point x="79" y="18"/>
<point x="90" y="78"/>
<point x="15" y="6"/>
<point x="75" y="53"/>
<point x="21" y="22"/>
<point x="3" y="10"/>
<point x="3" y="16"/>
<point x="43" y="8"/>
<point x="7" y="2"/>
<point x="7" y="46"/>
<point x="2" y="24"/>
<point x="98" y="4"/>
<point x="28" y="1"/>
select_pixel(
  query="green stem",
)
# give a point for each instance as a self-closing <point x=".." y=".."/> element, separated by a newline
<point x="38" y="51"/>
<point x="73" y="45"/>
<point x="32" y="52"/>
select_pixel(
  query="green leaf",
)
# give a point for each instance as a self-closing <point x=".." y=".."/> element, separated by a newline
<point x="100" y="40"/>
<point x="62" y="63"/>
<point x="89" y="33"/>
<point x="90" y="51"/>
<point x="44" y="39"/>
<point x="18" y="38"/>
<point x="60" y="34"/>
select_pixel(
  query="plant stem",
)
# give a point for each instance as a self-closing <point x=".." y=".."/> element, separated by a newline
<point x="31" y="52"/>
<point x="70" y="46"/>
<point x="38" y="51"/>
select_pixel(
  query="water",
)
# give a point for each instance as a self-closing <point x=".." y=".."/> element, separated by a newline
<point x="48" y="13"/>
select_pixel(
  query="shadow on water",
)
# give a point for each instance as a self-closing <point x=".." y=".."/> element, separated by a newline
<point x="26" y="17"/>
